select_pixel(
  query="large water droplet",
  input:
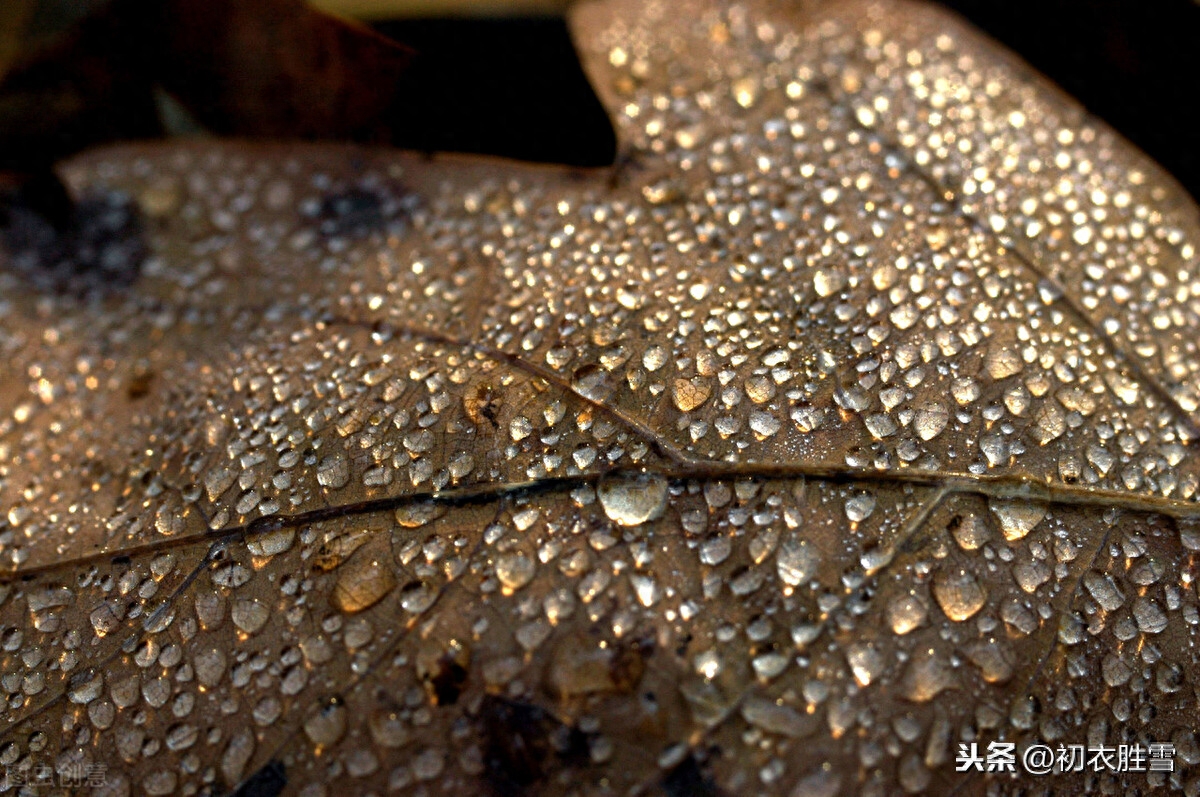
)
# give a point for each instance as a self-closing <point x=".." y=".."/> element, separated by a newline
<point x="361" y="584"/>
<point x="907" y="614"/>
<point x="797" y="561"/>
<point x="272" y="543"/>
<point x="633" y="499"/>
<point x="1017" y="517"/>
<point x="688" y="394"/>
<point x="865" y="662"/>
<point x="514" y="571"/>
<point x="931" y="420"/>
<point x="959" y="593"/>
<point x="328" y="725"/>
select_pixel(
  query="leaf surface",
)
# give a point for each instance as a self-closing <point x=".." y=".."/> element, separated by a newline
<point x="850" y="418"/>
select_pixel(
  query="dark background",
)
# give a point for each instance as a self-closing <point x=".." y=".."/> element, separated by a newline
<point x="513" y="87"/>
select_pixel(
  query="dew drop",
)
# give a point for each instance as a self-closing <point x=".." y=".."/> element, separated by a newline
<point x="907" y="614"/>
<point x="865" y="662"/>
<point x="249" y="615"/>
<point x="995" y="659"/>
<point x="1002" y="363"/>
<point x="1017" y="518"/>
<point x="688" y="394"/>
<point x="775" y="718"/>
<point x="272" y="543"/>
<point x="388" y="728"/>
<point x="931" y="419"/>
<point x="633" y="499"/>
<point x="1149" y="616"/>
<point x="361" y="584"/>
<point x="959" y="593"/>
<point x="860" y="507"/>
<point x="514" y="571"/>
<point x="327" y="726"/>
<point x="333" y="472"/>
<point x="797" y="561"/>
<point x="412" y="516"/>
<point x="928" y="674"/>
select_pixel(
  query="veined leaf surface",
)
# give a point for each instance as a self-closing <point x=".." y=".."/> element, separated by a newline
<point x="850" y="418"/>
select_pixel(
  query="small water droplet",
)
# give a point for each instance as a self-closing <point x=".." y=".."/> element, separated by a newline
<point x="334" y="472"/>
<point x="412" y="516"/>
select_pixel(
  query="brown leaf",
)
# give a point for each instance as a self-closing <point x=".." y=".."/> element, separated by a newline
<point x="853" y="425"/>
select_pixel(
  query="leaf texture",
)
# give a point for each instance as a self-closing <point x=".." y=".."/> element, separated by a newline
<point x="850" y="418"/>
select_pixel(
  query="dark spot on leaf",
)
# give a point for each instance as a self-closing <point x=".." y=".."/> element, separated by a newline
<point x="524" y="744"/>
<point x="139" y="383"/>
<point x="100" y="246"/>
<point x="448" y="683"/>
<point x="266" y="782"/>
<point x="689" y="779"/>
<point x="359" y="210"/>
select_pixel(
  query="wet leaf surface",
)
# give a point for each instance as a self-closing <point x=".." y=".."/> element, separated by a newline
<point x="850" y="418"/>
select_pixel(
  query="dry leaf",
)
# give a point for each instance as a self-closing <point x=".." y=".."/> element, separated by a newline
<point x="377" y="478"/>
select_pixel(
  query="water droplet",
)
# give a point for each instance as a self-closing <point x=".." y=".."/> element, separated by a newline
<point x="931" y="419"/>
<point x="249" y="615"/>
<point x="995" y="659"/>
<point x="860" y="507"/>
<point x="958" y="593"/>
<point x="715" y="550"/>
<point x="514" y="571"/>
<point x="327" y="726"/>
<point x="907" y="614"/>
<point x="388" y="728"/>
<point x="688" y="394"/>
<point x="362" y="582"/>
<point x="1149" y="616"/>
<point x="880" y="425"/>
<point x="775" y="718"/>
<point x="272" y="542"/>
<point x="760" y="389"/>
<point x="591" y="381"/>
<point x="928" y="674"/>
<point x="334" y="472"/>
<point x="412" y="516"/>
<point x="1002" y="362"/>
<point x="797" y="561"/>
<point x="633" y="499"/>
<point x="1103" y="591"/>
<point x="970" y="531"/>
<point x="1017" y="517"/>
<point x="764" y="424"/>
<point x="865" y="662"/>
<point x="828" y="281"/>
